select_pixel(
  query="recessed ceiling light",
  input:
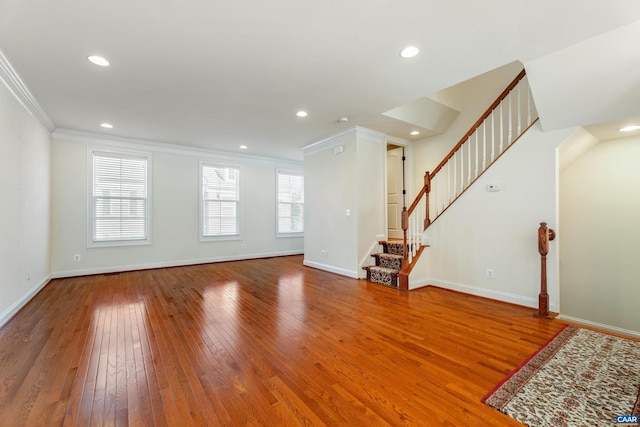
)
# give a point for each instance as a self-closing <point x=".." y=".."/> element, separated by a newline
<point x="243" y="147"/>
<point x="302" y="113"/>
<point x="107" y="125"/>
<point x="630" y="128"/>
<point x="409" y="52"/>
<point x="99" y="60"/>
<point x="415" y="132"/>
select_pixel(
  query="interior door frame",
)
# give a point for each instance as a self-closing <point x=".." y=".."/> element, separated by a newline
<point x="408" y="173"/>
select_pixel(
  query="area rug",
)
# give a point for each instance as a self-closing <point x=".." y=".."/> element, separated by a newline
<point x="579" y="378"/>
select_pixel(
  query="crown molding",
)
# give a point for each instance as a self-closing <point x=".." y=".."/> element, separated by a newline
<point x="19" y="89"/>
<point x="165" y="147"/>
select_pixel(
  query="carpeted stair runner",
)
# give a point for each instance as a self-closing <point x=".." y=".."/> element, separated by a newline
<point x="388" y="264"/>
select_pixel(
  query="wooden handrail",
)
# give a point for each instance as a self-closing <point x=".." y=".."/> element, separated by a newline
<point x="460" y="143"/>
<point x="482" y="118"/>
<point x="426" y="188"/>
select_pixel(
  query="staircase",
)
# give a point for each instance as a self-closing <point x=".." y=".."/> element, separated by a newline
<point x="388" y="264"/>
<point x="509" y="117"/>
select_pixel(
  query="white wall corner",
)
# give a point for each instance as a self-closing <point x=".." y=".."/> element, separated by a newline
<point x="19" y="89"/>
<point x="332" y="269"/>
<point x="484" y="292"/>
<point x="369" y="135"/>
<point x="330" y="142"/>
<point x="574" y="146"/>
<point x="367" y="259"/>
<point x="16" y="306"/>
<point x="356" y="132"/>
<point x="600" y="326"/>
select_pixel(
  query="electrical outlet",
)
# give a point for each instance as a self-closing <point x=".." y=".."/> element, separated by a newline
<point x="76" y="257"/>
<point x="490" y="273"/>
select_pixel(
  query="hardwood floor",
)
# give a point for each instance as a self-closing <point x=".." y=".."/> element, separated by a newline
<point x="261" y="343"/>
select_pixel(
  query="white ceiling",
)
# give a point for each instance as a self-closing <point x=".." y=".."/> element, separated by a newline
<point x="218" y="74"/>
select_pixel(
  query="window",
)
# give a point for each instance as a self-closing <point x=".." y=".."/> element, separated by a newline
<point x="290" y="204"/>
<point x="220" y="201"/>
<point x="120" y="198"/>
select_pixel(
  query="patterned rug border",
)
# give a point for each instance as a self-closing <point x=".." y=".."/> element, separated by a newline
<point x="508" y="392"/>
<point x="499" y="396"/>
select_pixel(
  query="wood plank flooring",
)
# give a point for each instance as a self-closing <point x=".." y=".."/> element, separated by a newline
<point x="257" y="343"/>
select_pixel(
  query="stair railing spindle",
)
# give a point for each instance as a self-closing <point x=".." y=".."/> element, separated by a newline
<point x="519" y="112"/>
<point x="510" y="119"/>
<point x="501" y="128"/>
<point x="484" y="145"/>
<point x="427" y="189"/>
<point x="469" y="161"/>
<point x="455" y="176"/>
<point x="475" y="175"/>
<point x="528" y="103"/>
<point x="461" y="171"/>
<point x="456" y="167"/>
<point x="493" y="138"/>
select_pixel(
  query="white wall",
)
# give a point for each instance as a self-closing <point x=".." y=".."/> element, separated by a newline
<point x="498" y="230"/>
<point x="599" y="255"/>
<point x="24" y="216"/>
<point x="336" y="182"/>
<point x="175" y="235"/>
<point x="372" y="190"/>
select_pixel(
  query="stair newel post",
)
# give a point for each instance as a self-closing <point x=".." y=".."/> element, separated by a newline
<point x="544" y="236"/>
<point x="427" y="190"/>
<point x="405" y="227"/>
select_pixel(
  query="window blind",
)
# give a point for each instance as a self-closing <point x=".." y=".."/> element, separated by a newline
<point x="220" y="201"/>
<point x="290" y="202"/>
<point x="120" y="197"/>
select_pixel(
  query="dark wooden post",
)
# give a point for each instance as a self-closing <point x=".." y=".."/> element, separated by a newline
<point x="427" y="189"/>
<point x="544" y="235"/>
<point x="403" y="277"/>
<point x="405" y="227"/>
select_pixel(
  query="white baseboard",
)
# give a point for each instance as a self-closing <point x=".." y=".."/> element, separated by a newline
<point x="600" y="326"/>
<point x="484" y="292"/>
<point x="332" y="269"/>
<point x="180" y="263"/>
<point x="15" y="307"/>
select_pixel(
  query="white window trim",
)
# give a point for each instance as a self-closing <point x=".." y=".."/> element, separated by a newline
<point x="90" y="199"/>
<point x="214" y="163"/>
<point x="280" y="235"/>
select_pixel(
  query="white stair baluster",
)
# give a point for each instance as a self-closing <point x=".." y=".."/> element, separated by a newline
<point x="434" y="190"/>
<point x="493" y="139"/>
<point x="461" y="169"/>
<point x="441" y="192"/>
<point x="477" y="149"/>
<point x="528" y="103"/>
<point x="415" y="230"/>
<point x="455" y="176"/>
<point x="469" y="161"/>
<point x="501" y="127"/>
<point x="484" y="145"/>
<point x="510" y="136"/>
<point x="519" y="113"/>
